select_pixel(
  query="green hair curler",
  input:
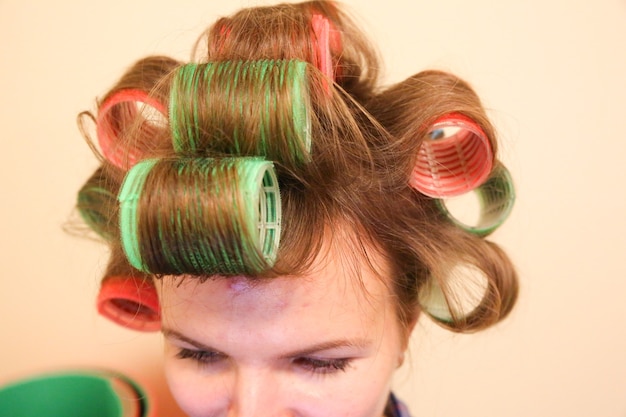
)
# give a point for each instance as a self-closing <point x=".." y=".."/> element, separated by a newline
<point x="466" y="294"/>
<point x="94" y="393"/>
<point x="96" y="204"/>
<point x="213" y="216"/>
<point x="244" y="108"/>
<point x="128" y="197"/>
<point x="496" y="197"/>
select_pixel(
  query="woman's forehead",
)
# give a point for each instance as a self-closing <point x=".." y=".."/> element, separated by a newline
<point x="337" y="287"/>
<point x="343" y="271"/>
<point x="328" y="288"/>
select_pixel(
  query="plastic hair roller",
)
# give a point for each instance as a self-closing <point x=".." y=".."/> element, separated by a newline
<point x="131" y="302"/>
<point x="290" y="37"/>
<point x="75" y="393"/>
<point x="454" y="158"/>
<point x="324" y="20"/>
<point x="432" y="300"/>
<point x="245" y="108"/>
<point x="230" y="224"/>
<point x="496" y="197"/>
<point x="323" y="58"/>
<point x="123" y="112"/>
<point x="464" y="279"/>
<point x="96" y="204"/>
<point x="224" y="33"/>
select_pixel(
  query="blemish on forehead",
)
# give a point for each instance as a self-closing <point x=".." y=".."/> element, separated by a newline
<point x="272" y="294"/>
<point x="239" y="285"/>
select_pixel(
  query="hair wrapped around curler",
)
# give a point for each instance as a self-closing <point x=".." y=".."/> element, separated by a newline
<point x="444" y="139"/>
<point x="97" y="204"/>
<point x="242" y="108"/>
<point x="128" y="297"/>
<point x="133" y="115"/>
<point x="455" y="157"/>
<point x="436" y="120"/>
<point x="470" y="290"/>
<point x="131" y="302"/>
<point x="313" y="31"/>
<point x="201" y="216"/>
<point x="197" y="195"/>
<point x="496" y="197"/>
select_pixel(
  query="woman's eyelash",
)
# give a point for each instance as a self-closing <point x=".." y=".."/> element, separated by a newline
<point x="314" y="365"/>
<point x="323" y="366"/>
<point x="199" y="356"/>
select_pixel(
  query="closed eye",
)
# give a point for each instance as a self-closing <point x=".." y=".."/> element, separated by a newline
<point x="322" y="366"/>
<point x="200" y="356"/>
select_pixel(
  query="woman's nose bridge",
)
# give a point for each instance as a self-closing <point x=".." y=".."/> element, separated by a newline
<point x="256" y="393"/>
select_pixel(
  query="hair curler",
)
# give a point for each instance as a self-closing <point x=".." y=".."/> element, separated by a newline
<point x="230" y="224"/>
<point x="323" y="58"/>
<point x="96" y="205"/>
<point x="123" y="112"/>
<point x="75" y="393"/>
<point x="131" y="302"/>
<point x="245" y="108"/>
<point x="224" y="33"/>
<point x="325" y="19"/>
<point x="496" y="198"/>
<point x="325" y="39"/>
<point x="465" y="296"/>
<point x="454" y="158"/>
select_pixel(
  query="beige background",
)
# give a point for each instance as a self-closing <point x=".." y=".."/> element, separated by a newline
<point x="553" y="75"/>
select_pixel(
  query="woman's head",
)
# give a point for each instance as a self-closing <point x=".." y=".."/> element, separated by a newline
<point x="268" y="195"/>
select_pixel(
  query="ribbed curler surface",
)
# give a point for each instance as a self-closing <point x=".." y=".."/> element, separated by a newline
<point x="201" y="216"/>
<point x="131" y="302"/>
<point x="454" y="158"/>
<point x="496" y="198"/>
<point x="127" y="122"/>
<point x="244" y="108"/>
<point x="97" y="205"/>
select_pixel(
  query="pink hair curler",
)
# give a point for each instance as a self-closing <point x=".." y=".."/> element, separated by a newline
<point x="117" y="114"/>
<point x="328" y="15"/>
<point x="334" y="39"/>
<point x="323" y="58"/>
<point x="454" y="158"/>
<point x="224" y="35"/>
<point x="131" y="302"/>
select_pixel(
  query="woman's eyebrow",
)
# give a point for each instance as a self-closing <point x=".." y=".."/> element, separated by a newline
<point x="169" y="333"/>
<point x="359" y="343"/>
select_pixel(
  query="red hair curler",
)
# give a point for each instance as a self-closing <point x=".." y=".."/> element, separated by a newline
<point x="224" y="33"/>
<point x="321" y="31"/>
<point x="119" y="113"/>
<point x="454" y="158"/>
<point x="131" y="302"/>
<point x="324" y="19"/>
<point x="334" y="39"/>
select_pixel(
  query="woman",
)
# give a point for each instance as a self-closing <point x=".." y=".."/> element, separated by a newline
<point x="281" y="219"/>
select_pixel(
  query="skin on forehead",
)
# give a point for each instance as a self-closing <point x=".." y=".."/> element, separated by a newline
<point x="263" y="327"/>
<point x="278" y="309"/>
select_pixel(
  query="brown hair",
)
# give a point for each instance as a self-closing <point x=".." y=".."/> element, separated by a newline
<point x="364" y="146"/>
<point x="284" y="31"/>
